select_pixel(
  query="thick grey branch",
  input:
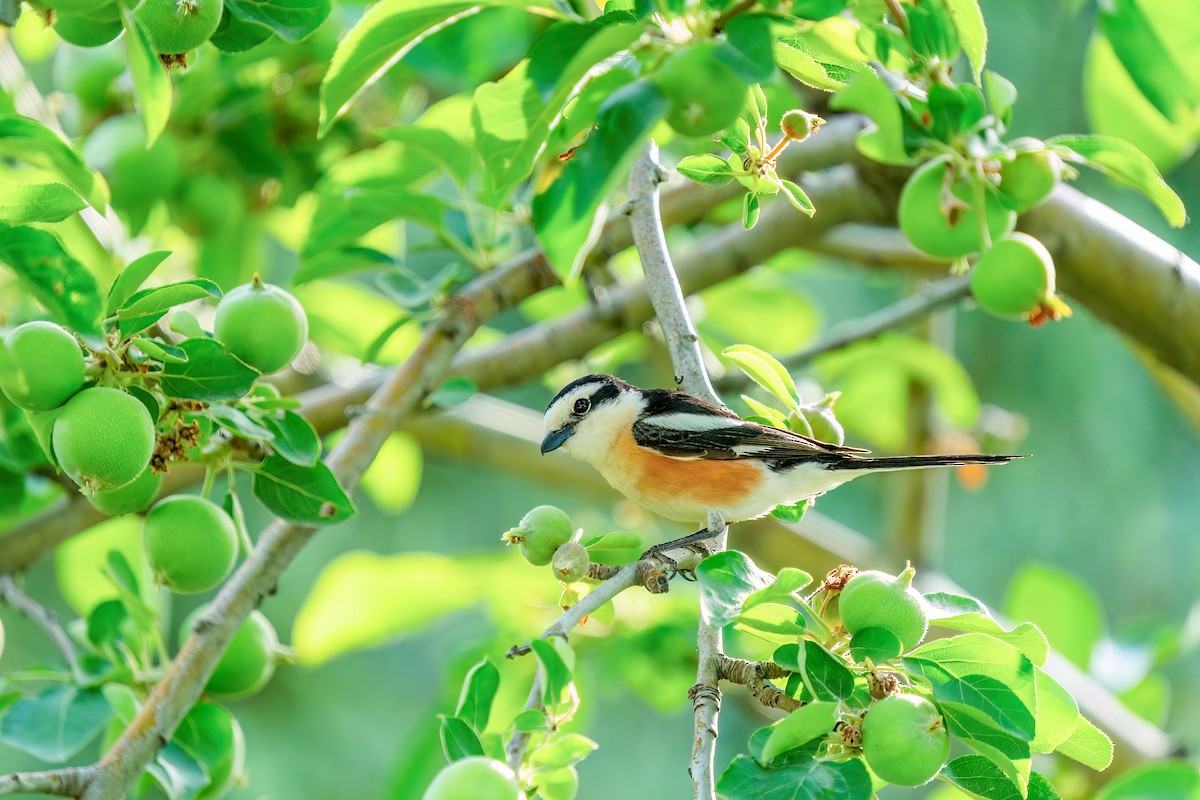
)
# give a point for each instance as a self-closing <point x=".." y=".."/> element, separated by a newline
<point x="65" y="782"/>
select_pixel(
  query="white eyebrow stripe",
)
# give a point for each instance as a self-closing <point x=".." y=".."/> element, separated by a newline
<point x="683" y="421"/>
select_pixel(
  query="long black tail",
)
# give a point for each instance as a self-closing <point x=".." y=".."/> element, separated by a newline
<point x="918" y="462"/>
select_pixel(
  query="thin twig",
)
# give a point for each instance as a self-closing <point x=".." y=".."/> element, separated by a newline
<point x="754" y="676"/>
<point x="901" y="313"/>
<point x="666" y="295"/>
<point x="65" y="782"/>
<point x="46" y="619"/>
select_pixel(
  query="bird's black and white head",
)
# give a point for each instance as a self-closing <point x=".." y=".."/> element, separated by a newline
<point x="588" y="414"/>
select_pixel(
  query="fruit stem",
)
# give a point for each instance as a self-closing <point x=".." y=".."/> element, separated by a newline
<point x="777" y="149"/>
<point x="210" y="476"/>
<point x="905" y="578"/>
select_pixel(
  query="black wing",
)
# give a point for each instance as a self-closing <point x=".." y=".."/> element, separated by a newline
<point x="666" y="427"/>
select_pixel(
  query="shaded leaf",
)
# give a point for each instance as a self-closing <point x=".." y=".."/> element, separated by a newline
<point x="211" y="373"/>
<point x="300" y="494"/>
<point x="52" y="276"/>
<point x="55" y="723"/>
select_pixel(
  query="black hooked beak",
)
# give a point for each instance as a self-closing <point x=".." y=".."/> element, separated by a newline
<point x="555" y="439"/>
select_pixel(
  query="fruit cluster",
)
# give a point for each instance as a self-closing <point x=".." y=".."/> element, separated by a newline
<point x="950" y="211"/>
<point x="173" y="26"/>
<point x="546" y="537"/>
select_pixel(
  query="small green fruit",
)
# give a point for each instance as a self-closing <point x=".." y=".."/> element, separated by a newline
<point x="177" y="26"/>
<point x="822" y="421"/>
<point x="541" y="532"/>
<point x="799" y="125"/>
<point x="88" y="8"/>
<point x="1030" y="178"/>
<point x="47" y="366"/>
<point x="136" y="175"/>
<point x="248" y="662"/>
<point x="191" y="542"/>
<point x="946" y="225"/>
<point x="475" y="778"/>
<point x="904" y="740"/>
<point x="874" y="599"/>
<point x="1014" y="278"/>
<point x="85" y="31"/>
<point x="706" y="96"/>
<point x="262" y="325"/>
<point x="130" y="498"/>
<point x="214" y="736"/>
<point x="570" y="562"/>
<point x="103" y="438"/>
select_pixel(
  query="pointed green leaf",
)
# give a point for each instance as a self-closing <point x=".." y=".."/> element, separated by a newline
<point x="37" y="202"/>
<point x="765" y="370"/>
<point x="150" y="82"/>
<point x="303" y="495"/>
<point x="1125" y="164"/>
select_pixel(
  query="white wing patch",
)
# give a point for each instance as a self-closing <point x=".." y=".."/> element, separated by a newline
<point x="683" y="421"/>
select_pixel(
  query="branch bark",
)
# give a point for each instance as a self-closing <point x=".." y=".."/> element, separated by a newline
<point x="666" y="295"/>
<point x="65" y="782"/>
<point x="46" y="619"/>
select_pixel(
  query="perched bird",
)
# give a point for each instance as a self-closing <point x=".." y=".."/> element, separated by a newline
<point x="679" y="456"/>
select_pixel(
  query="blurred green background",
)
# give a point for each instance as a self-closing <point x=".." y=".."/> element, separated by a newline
<point x="1110" y="495"/>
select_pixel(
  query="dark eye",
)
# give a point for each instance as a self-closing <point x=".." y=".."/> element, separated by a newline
<point x="581" y="405"/>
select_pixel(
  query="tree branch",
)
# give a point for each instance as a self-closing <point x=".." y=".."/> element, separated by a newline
<point x="754" y="676"/>
<point x="65" y="782"/>
<point x="46" y="619"/>
<point x="257" y="577"/>
<point x="666" y="296"/>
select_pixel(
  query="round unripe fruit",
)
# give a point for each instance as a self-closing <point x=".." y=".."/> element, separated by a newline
<point x="475" y="778"/>
<point x="248" y="662"/>
<point x="89" y="74"/>
<point x="541" y="532"/>
<point x="904" y="740"/>
<point x="799" y="125"/>
<point x="130" y="498"/>
<point x="176" y="26"/>
<point x="49" y="364"/>
<point x="136" y="175"/>
<point x="1014" y="277"/>
<point x="874" y="599"/>
<point x="262" y="325"/>
<point x="83" y="31"/>
<point x="953" y="231"/>
<point x="1030" y="178"/>
<point x="192" y="543"/>
<point x="823" y="422"/>
<point x="90" y="8"/>
<point x="103" y="438"/>
<point x="706" y="96"/>
<point x="570" y="562"/>
<point x="213" y="734"/>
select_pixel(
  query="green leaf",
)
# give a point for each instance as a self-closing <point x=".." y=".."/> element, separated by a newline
<point x="800" y="727"/>
<point x="565" y="752"/>
<point x="238" y="422"/>
<point x="711" y="172"/>
<point x="1088" y="745"/>
<point x="531" y="720"/>
<point x="869" y="95"/>
<point x="459" y="740"/>
<point x="799" y="776"/>
<point x="1026" y="637"/>
<point x="1061" y="605"/>
<point x="344" y="214"/>
<point x="797" y="198"/>
<point x="437" y="145"/>
<point x="1001" y="95"/>
<point x="178" y="772"/>
<point x="793" y="513"/>
<point x="131" y="279"/>
<point x="151" y="85"/>
<point x="824" y="675"/>
<point x="512" y="117"/>
<point x="37" y="202"/>
<point x="1162" y="780"/>
<point x="1057" y="713"/>
<point x="56" y="723"/>
<point x="726" y="581"/>
<point x="1008" y="753"/>
<point x="158" y="350"/>
<point x="876" y="644"/>
<point x="941" y="605"/>
<point x="478" y="693"/>
<point x="972" y="33"/>
<point x="979" y="777"/>
<point x="32" y="142"/>
<point x="765" y="370"/>
<point x="340" y="261"/>
<point x="295" y="438"/>
<point x="751" y="206"/>
<point x="211" y="373"/>
<point x="810" y="58"/>
<point x="988" y="696"/>
<point x="1148" y="60"/>
<point x="1125" y="164"/>
<point x="300" y="494"/>
<point x="52" y="276"/>
<point x="147" y="306"/>
<point x="557" y="661"/>
<point x="567" y="215"/>
<point x="291" y="20"/>
<point x="747" y="48"/>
